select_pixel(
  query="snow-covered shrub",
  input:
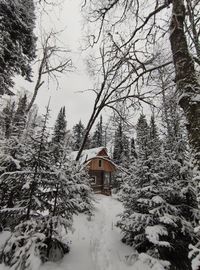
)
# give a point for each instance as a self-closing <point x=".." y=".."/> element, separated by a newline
<point x="22" y="250"/>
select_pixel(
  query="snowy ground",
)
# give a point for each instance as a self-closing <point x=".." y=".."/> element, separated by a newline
<point x="95" y="243"/>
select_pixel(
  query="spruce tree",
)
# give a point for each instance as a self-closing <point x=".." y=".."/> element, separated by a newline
<point x="25" y="172"/>
<point x="13" y="154"/>
<point x="121" y="155"/>
<point x="60" y="127"/>
<point x="71" y="195"/>
<point x="7" y="118"/>
<point x="47" y="192"/>
<point x="142" y="138"/>
<point x="160" y="204"/>
<point x="30" y="185"/>
<point x="133" y="153"/>
<point x="78" y="133"/>
<point x="18" y="42"/>
<point x="59" y="134"/>
<point x="19" y="119"/>
<point x="97" y="139"/>
<point x="155" y="142"/>
<point x="118" y="144"/>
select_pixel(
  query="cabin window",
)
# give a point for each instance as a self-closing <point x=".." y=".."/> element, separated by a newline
<point x="100" y="163"/>
<point x="93" y="179"/>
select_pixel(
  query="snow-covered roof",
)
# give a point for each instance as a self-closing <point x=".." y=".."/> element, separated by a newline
<point x="87" y="154"/>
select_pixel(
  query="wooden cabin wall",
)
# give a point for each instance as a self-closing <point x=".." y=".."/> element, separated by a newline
<point x="106" y="165"/>
<point x="99" y="185"/>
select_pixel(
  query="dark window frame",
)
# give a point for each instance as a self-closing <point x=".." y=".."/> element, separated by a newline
<point x="100" y="163"/>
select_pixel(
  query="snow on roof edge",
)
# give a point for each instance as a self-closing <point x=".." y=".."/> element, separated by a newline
<point x="87" y="153"/>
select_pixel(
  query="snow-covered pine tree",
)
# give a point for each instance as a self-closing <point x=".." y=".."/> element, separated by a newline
<point x="71" y="195"/>
<point x="60" y="127"/>
<point x="12" y="156"/>
<point x="49" y="192"/>
<point x="160" y="206"/>
<point x="121" y="154"/>
<point x="11" y="159"/>
<point x="97" y="138"/>
<point x="155" y="142"/>
<point x="78" y="133"/>
<point x="20" y="117"/>
<point x="7" y="118"/>
<point x="126" y="151"/>
<point x="117" y="157"/>
<point x="133" y="153"/>
<point x="75" y="174"/>
<point x="176" y="149"/>
<point x="121" y="145"/>
<point x="59" y="134"/>
<point x="118" y="144"/>
<point x="142" y="139"/>
<point x="29" y="184"/>
<point x="14" y="118"/>
<point x="17" y="41"/>
<point x="179" y="170"/>
<point x="71" y="189"/>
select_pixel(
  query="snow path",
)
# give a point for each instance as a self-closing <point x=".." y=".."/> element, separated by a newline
<point x="96" y="243"/>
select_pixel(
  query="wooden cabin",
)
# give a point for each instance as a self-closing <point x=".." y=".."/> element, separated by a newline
<point x="101" y="169"/>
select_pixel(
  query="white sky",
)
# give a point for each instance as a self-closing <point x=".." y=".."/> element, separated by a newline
<point x="78" y="105"/>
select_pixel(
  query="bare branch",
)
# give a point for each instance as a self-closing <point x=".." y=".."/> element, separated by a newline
<point x="54" y="61"/>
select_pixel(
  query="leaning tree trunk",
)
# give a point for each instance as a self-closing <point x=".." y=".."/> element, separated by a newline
<point x="188" y="87"/>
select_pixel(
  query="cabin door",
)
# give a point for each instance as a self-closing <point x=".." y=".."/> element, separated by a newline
<point x="106" y="179"/>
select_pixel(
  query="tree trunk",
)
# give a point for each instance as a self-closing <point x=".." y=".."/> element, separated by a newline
<point x="94" y="115"/>
<point x="187" y="84"/>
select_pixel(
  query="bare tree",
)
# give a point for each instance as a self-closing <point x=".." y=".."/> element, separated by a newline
<point x="121" y="78"/>
<point x="54" y="60"/>
<point x="192" y="27"/>
<point x="144" y="26"/>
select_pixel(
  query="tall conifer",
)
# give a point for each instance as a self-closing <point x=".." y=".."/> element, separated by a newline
<point x="78" y="133"/>
<point x="159" y="200"/>
<point x="97" y="138"/>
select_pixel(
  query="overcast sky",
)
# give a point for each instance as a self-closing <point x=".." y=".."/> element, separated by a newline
<point x="78" y="105"/>
<point x="71" y="93"/>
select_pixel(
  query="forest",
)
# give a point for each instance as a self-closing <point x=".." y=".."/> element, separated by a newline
<point x="143" y="61"/>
